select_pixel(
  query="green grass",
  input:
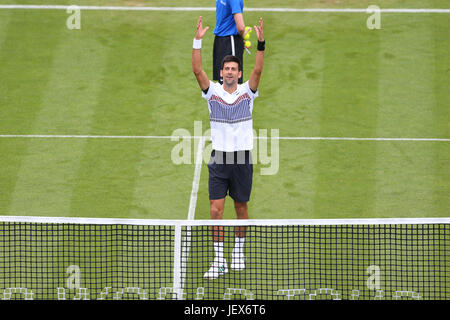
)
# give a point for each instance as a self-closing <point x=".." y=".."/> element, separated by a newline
<point x="129" y="73"/>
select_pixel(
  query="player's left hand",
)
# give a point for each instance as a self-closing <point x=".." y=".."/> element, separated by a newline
<point x="259" y="30"/>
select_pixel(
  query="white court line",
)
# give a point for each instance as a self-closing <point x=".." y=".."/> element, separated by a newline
<point x="224" y="222"/>
<point x="186" y="247"/>
<point x="313" y="10"/>
<point x="360" y="139"/>
<point x="196" y="180"/>
<point x="57" y="136"/>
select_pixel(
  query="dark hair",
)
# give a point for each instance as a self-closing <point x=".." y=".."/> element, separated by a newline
<point x="231" y="58"/>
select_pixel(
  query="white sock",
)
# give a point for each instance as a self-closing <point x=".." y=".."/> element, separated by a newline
<point x="218" y="249"/>
<point x="239" y="244"/>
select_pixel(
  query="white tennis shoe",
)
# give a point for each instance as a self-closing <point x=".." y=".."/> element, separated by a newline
<point x="238" y="260"/>
<point x="218" y="267"/>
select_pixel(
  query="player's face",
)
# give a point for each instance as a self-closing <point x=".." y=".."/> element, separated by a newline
<point x="230" y="73"/>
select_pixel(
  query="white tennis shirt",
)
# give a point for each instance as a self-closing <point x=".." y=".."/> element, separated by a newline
<point x="231" y="117"/>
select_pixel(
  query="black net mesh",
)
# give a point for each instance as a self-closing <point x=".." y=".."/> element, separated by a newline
<point x="119" y="261"/>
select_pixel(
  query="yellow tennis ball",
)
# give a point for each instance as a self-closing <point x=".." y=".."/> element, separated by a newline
<point x="247" y="36"/>
<point x="247" y="44"/>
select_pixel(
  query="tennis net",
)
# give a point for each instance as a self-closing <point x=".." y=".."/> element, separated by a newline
<point x="356" y="259"/>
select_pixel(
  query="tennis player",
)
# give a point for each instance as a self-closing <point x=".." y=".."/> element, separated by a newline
<point x="230" y="168"/>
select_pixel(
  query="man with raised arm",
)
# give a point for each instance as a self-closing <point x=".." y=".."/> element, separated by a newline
<point x="230" y="169"/>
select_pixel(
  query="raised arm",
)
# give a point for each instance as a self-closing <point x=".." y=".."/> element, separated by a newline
<point x="255" y="75"/>
<point x="200" y="74"/>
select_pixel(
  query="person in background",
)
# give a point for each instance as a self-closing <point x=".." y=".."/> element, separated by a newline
<point x="229" y="34"/>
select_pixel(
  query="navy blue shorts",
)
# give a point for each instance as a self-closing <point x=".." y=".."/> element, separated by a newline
<point x="230" y="173"/>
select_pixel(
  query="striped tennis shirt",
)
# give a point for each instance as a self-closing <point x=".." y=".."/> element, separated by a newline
<point x="231" y="117"/>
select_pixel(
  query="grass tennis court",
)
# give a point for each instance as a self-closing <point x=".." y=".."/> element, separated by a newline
<point x="128" y="73"/>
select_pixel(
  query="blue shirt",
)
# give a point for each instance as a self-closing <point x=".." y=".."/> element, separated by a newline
<point x="225" y="9"/>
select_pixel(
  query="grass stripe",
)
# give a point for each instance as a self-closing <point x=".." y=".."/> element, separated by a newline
<point x="441" y="113"/>
<point x="49" y="170"/>
<point x="301" y="89"/>
<point x="405" y="176"/>
<point x="344" y="183"/>
<point x="4" y="21"/>
<point x="109" y="172"/>
<point x="25" y="75"/>
<point x="158" y="181"/>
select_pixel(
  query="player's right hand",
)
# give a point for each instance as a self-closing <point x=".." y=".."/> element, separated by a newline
<point x="200" y="31"/>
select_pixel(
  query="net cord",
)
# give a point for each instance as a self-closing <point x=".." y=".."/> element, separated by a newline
<point x="225" y="222"/>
